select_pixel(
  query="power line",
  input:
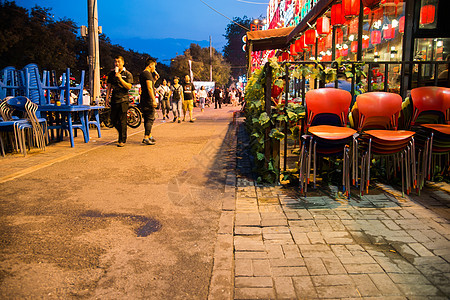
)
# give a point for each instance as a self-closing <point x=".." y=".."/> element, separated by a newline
<point x="250" y="2"/>
<point x="224" y="15"/>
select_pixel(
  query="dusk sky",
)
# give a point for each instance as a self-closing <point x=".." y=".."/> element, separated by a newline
<point x="142" y="25"/>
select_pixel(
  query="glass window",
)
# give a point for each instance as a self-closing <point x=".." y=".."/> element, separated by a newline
<point x="428" y="14"/>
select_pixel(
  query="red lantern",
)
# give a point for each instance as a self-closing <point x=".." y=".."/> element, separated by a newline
<point x="353" y="26"/>
<point x="280" y="59"/>
<point x="375" y="37"/>
<point x="337" y="16"/>
<point x="329" y="41"/>
<point x="302" y="43"/>
<point x="344" y="52"/>
<point x="298" y="46"/>
<point x="389" y="33"/>
<point x="354" y="47"/>
<point x="366" y="10"/>
<point x="310" y="37"/>
<point x="285" y="56"/>
<point x="427" y="13"/>
<point x="323" y="26"/>
<point x="292" y="48"/>
<point x="365" y="43"/>
<point x="350" y="8"/>
<point x="401" y="24"/>
<point x="370" y="3"/>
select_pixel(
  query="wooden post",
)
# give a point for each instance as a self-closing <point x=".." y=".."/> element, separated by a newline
<point x="268" y="110"/>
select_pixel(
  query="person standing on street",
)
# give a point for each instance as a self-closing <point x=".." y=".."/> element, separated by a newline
<point x="217" y="97"/>
<point x="177" y="99"/>
<point x="148" y="99"/>
<point x="189" y="97"/>
<point x="164" y="94"/>
<point x="119" y="83"/>
<point x="202" y="95"/>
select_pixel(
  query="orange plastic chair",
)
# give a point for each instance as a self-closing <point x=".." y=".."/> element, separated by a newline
<point x="433" y="139"/>
<point x="324" y="107"/>
<point x="381" y="110"/>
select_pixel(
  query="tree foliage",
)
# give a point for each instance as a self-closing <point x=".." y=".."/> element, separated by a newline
<point x="200" y="65"/>
<point x="232" y="51"/>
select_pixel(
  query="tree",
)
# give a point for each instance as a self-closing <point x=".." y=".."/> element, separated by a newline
<point x="232" y="51"/>
<point x="200" y="65"/>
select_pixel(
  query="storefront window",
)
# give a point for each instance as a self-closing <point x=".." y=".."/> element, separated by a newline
<point x="431" y="49"/>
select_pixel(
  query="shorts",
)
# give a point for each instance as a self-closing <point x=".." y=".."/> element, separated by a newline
<point x="188" y="105"/>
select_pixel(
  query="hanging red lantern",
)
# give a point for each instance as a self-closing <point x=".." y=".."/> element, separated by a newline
<point x="366" y="10"/>
<point x="354" y="47"/>
<point x="302" y="43"/>
<point x="389" y="32"/>
<point x="329" y="41"/>
<point x="337" y="16"/>
<point x="298" y="46"/>
<point x="370" y="3"/>
<point x="353" y="26"/>
<point x="350" y="8"/>
<point x="401" y="24"/>
<point x="323" y="26"/>
<point x="427" y="13"/>
<point x="365" y="43"/>
<point x="310" y="37"/>
<point x="285" y="56"/>
<point x="375" y="37"/>
<point x="292" y="49"/>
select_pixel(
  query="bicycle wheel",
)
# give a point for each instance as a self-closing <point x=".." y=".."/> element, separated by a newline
<point x="134" y="117"/>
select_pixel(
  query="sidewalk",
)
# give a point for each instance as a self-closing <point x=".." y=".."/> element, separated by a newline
<point x="284" y="246"/>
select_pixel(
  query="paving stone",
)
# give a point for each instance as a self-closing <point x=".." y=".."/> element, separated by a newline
<point x="248" y="243"/>
<point x="250" y="255"/>
<point x="229" y="202"/>
<point x="261" y="268"/>
<point x="385" y="284"/>
<point x="315" y="238"/>
<point x="341" y="251"/>
<point x="247" y="230"/>
<point x="331" y="280"/>
<point x="419" y="236"/>
<point x="284" y="288"/>
<point x="420" y="249"/>
<point x="357" y="250"/>
<point x="304" y="287"/>
<point x="221" y="286"/>
<point x="357" y="260"/>
<point x="254" y="293"/>
<point x="409" y="278"/>
<point x="391" y="225"/>
<point x="360" y="237"/>
<point x="300" y="238"/>
<point x="291" y="251"/>
<point x="419" y="290"/>
<point x="365" y="285"/>
<point x="287" y="262"/>
<point x="253" y="282"/>
<point x="274" y="251"/>
<point x="337" y="237"/>
<point x="243" y="267"/>
<point x="226" y="222"/>
<point x="315" y="266"/>
<point x="277" y="236"/>
<point x="340" y="291"/>
<point x="247" y="219"/>
<point x="336" y="225"/>
<point x="333" y="266"/>
<point x="405" y="266"/>
<point x="363" y="268"/>
<point x="289" y="271"/>
<point x="388" y="265"/>
<point x="276" y="230"/>
<point x="274" y="222"/>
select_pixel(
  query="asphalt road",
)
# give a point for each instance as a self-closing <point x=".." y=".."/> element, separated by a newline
<point x="98" y="221"/>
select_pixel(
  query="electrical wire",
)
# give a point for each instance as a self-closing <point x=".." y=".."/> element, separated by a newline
<point x="224" y="15"/>
<point x="250" y="2"/>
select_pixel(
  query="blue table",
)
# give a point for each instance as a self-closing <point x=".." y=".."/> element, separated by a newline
<point x="66" y="120"/>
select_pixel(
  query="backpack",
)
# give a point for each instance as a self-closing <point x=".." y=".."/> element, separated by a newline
<point x="176" y="95"/>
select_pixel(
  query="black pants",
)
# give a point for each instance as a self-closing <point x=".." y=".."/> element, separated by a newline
<point x="149" y="117"/>
<point x="165" y="107"/>
<point x="119" y="119"/>
<point x="218" y="101"/>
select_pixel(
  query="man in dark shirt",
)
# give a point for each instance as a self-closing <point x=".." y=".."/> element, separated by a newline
<point x="189" y="97"/>
<point x="119" y="83"/>
<point x="217" y="98"/>
<point x="148" y="99"/>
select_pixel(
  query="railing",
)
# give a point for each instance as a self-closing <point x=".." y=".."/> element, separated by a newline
<point x="391" y="76"/>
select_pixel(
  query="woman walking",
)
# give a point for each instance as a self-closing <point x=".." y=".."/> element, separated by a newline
<point x="202" y="96"/>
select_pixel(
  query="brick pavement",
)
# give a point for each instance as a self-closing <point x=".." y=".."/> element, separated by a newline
<point x="380" y="246"/>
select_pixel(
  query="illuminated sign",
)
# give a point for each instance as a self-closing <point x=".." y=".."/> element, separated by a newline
<point x="289" y="12"/>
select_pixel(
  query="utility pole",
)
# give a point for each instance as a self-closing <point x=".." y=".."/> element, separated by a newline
<point x="94" y="56"/>
<point x="210" y="60"/>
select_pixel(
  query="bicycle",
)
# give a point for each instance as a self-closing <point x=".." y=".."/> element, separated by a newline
<point x="134" y="115"/>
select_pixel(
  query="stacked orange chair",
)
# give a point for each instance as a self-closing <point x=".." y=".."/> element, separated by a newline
<point x="327" y="135"/>
<point x="431" y="122"/>
<point x="377" y="123"/>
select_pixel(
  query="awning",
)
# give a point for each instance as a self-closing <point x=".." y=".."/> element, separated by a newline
<point x="269" y="39"/>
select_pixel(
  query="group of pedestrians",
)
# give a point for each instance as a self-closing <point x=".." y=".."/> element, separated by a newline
<point x="178" y="97"/>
